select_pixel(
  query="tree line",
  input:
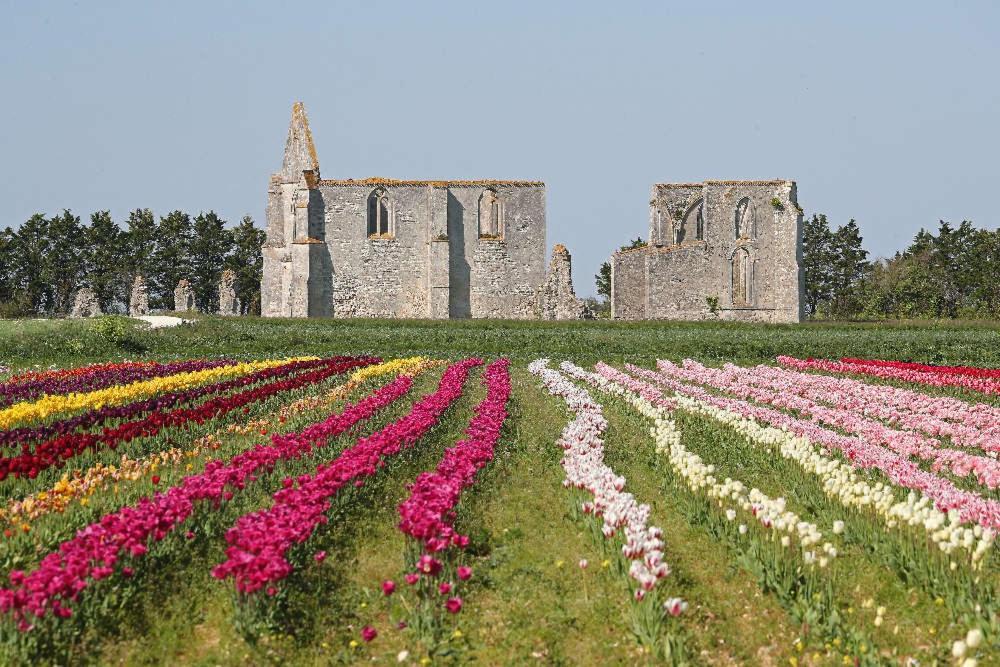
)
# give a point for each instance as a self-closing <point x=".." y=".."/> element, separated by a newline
<point x="47" y="260"/>
<point x="951" y="273"/>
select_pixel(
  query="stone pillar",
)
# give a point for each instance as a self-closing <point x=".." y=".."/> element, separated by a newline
<point x="183" y="296"/>
<point x="556" y="298"/>
<point x="228" y="303"/>
<point x="438" y="254"/>
<point x="85" y="304"/>
<point x="138" y="301"/>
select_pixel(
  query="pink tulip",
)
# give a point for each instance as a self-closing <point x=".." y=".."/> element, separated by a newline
<point x="389" y="586"/>
<point x="464" y="572"/>
<point x="453" y="605"/>
<point x="368" y="633"/>
<point x="444" y="588"/>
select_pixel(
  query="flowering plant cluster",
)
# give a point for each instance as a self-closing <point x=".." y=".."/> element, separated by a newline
<point x="758" y="384"/>
<point x="427" y="515"/>
<point x="964" y="424"/>
<point x="97" y="376"/>
<point x="94" y="552"/>
<point x="583" y="462"/>
<point x="56" y="451"/>
<point x="259" y="541"/>
<point x="840" y="479"/>
<point x="771" y="513"/>
<point x="972" y="371"/>
<point x="50" y="405"/>
<point x="27" y="434"/>
<point x="986" y="385"/>
<point x="862" y="453"/>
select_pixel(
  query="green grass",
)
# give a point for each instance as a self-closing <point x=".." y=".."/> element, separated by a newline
<point x="66" y="342"/>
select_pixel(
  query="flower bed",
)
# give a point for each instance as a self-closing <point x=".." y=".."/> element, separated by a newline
<point x="98" y="548"/>
<point x="986" y="385"/>
<point x="259" y="542"/>
<point x="56" y="451"/>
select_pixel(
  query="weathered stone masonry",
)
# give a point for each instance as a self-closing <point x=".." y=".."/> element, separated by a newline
<point x="734" y="247"/>
<point x="380" y="247"/>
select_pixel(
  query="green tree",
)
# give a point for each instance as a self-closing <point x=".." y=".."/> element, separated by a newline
<point x="849" y="269"/>
<point x="63" y="265"/>
<point x="140" y="245"/>
<point x="817" y="261"/>
<point x="247" y="263"/>
<point x="31" y="246"/>
<point x="210" y="246"/>
<point x="171" y="258"/>
<point x="8" y="249"/>
<point x="103" y="261"/>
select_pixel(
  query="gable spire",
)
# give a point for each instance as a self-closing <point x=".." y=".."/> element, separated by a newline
<point x="300" y="151"/>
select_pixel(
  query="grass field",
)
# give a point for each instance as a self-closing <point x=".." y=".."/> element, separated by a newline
<point x="886" y="598"/>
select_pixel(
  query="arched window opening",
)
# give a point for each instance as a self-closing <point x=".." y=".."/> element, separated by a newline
<point x="379" y="214"/>
<point x="490" y="215"/>
<point x="742" y="277"/>
<point x="693" y="221"/>
<point x="746" y="219"/>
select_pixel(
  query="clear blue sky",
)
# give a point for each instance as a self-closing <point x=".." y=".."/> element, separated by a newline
<point x="888" y="112"/>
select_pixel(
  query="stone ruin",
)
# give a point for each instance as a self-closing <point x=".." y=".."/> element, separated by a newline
<point x="556" y="298"/>
<point x="382" y="247"/>
<point x="728" y="250"/>
<point x="138" y="301"/>
<point x="85" y="304"/>
<point x="183" y="296"/>
<point x="228" y="303"/>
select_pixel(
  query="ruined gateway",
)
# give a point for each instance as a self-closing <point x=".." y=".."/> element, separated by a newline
<point x="379" y="247"/>
<point x="730" y="250"/>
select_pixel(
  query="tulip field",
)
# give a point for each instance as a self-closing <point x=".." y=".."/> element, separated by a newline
<point x="309" y="507"/>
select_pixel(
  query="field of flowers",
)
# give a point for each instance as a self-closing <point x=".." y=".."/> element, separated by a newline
<point x="318" y="509"/>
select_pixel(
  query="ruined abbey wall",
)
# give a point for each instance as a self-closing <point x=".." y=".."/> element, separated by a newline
<point x="391" y="248"/>
<point x="737" y="243"/>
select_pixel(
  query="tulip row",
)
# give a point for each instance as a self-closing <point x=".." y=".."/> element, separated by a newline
<point x="56" y="451"/>
<point x="106" y="376"/>
<point x="427" y="514"/>
<point x="48" y="406"/>
<point x="82" y="484"/>
<point x="771" y="513"/>
<point x="927" y="368"/>
<point x="840" y="480"/>
<point x="745" y="383"/>
<point x="94" y="552"/>
<point x="259" y="542"/>
<point x="982" y="385"/>
<point x="583" y="462"/>
<point x="27" y="434"/>
<point x="59" y="373"/>
<point x="964" y="424"/>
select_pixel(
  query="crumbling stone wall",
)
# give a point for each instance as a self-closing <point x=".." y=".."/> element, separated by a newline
<point x="730" y="250"/>
<point x="85" y="304"/>
<point x="556" y="298"/>
<point x="183" y="296"/>
<point x="321" y="260"/>
<point x="138" y="301"/>
<point x="228" y="303"/>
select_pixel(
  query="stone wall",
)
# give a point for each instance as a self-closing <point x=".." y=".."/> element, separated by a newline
<point x="183" y="296"/>
<point x="228" y="303"/>
<point x="85" y="304"/>
<point x="556" y="297"/>
<point x="138" y="301"/>
<point x="743" y="252"/>
<point x="431" y="261"/>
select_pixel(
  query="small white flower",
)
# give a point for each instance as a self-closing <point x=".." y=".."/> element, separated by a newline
<point x="974" y="638"/>
<point x="403" y="656"/>
<point x="838" y="527"/>
<point x="958" y="649"/>
<point x="743" y="529"/>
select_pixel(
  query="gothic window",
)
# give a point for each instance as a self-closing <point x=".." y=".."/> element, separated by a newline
<point x="742" y="277"/>
<point x="693" y="222"/>
<point x="379" y="214"/>
<point x="490" y="215"/>
<point x="746" y="219"/>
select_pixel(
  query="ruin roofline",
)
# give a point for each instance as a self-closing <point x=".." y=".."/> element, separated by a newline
<point x="686" y="245"/>
<point x="776" y="181"/>
<point x="377" y="180"/>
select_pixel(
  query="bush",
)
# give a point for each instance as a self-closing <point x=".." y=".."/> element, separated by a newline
<point x="118" y="332"/>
